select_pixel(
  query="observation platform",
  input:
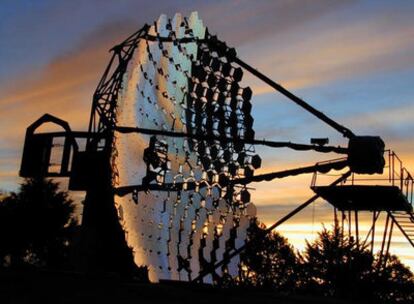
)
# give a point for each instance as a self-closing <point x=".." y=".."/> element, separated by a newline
<point x="365" y="197"/>
<point x="390" y="191"/>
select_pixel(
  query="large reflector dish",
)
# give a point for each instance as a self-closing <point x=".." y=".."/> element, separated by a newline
<point x="181" y="85"/>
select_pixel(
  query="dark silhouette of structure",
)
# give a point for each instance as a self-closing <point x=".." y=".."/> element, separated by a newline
<point x="90" y="169"/>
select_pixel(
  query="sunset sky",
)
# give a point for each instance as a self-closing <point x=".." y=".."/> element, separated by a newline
<point x="353" y="60"/>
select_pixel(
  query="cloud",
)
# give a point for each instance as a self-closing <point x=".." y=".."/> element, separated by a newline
<point x="63" y="88"/>
<point x="384" y="117"/>
<point x="394" y="123"/>
<point x="55" y="26"/>
<point x="242" y="22"/>
<point x="332" y="52"/>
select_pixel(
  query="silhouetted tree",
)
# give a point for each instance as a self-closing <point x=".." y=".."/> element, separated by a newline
<point x="36" y="226"/>
<point x="394" y="282"/>
<point x="335" y="265"/>
<point x="269" y="261"/>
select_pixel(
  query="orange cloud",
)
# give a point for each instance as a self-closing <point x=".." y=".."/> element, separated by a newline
<point x="333" y="53"/>
<point x="63" y="88"/>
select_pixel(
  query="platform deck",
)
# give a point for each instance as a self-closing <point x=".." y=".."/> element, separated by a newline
<point x="364" y="197"/>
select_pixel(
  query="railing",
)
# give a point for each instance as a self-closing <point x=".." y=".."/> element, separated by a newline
<point x="399" y="176"/>
<point x="326" y="162"/>
<point x="394" y="174"/>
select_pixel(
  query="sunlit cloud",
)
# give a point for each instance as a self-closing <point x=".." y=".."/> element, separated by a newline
<point x="335" y="53"/>
<point x="63" y="88"/>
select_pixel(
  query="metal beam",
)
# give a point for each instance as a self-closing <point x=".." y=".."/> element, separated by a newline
<point x="343" y="130"/>
<point x="121" y="191"/>
<point x="273" y="144"/>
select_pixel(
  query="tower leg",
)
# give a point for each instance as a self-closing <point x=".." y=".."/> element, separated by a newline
<point x="102" y="246"/>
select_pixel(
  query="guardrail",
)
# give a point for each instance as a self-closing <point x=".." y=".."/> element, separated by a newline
<point x="395" y="174"/>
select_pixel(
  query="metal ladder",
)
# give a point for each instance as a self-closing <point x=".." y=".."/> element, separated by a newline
<point x="405" y="223"/>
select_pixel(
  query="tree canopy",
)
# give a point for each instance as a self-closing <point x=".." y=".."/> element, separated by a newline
<point x="38" y="229"/>
<point x="37" y="226"/>
<point x="332" y="265"/>
<point x="269" y="261"/>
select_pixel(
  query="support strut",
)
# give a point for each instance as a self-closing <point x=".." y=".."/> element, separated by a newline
<point x="224" y="139"/>
<point x="343" y="130"/>
<point x="324" y="167"/>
